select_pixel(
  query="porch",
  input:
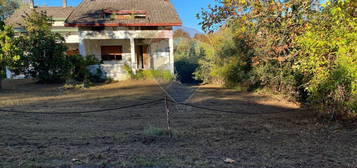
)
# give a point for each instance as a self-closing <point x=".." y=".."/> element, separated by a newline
<point x="141" y="50"/>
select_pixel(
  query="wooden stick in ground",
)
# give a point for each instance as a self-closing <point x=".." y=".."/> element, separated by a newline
<point x="168" y="117"/>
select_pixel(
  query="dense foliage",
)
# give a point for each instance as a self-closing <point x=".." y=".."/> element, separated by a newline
<point x="295" y="47"/>
<point x="9" y="53"/>
<point x="9" y="50"/>
<point x="187" y="53"/>
<point x="44" y="57"/>
<point x="328" y="58"/>
<point x="79" y="69"/>
<point x="40" y="53"/>
<point x="160" y="75"/>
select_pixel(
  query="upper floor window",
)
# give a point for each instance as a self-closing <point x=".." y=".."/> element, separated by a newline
<point x="124" y="14"/>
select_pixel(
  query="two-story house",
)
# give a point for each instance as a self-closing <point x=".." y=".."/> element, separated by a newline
<point x="138" y="33"/>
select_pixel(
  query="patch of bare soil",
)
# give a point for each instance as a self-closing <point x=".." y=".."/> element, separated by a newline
<point x="202" y="138"/>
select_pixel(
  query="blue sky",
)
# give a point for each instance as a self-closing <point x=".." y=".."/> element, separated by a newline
<point x="187" y="9"/>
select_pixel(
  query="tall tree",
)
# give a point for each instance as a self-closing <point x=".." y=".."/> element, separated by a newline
<point x="269" y="28"/>
<point x="7" y="7"/>
<point x="328" y="58"/>
<point x="45" y="50"/>
<point x="180" y="33"/>
<point x="9" y="52"/>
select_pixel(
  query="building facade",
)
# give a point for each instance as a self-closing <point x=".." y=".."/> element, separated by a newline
<point x="138" y="33"/>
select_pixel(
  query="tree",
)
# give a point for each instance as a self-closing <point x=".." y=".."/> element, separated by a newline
<point x="180" y="33"/>
<point x="201" y="37"/>
<point x="9" y="52"/>
<point x="268" y="29"/>
<point x="45" y="50"/>
<point x="7" y="7"/>
<point x="328" y="59"/>
<point x="297" y="47"/>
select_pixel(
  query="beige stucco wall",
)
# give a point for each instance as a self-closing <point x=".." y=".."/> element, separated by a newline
<point x="160" y="53"/>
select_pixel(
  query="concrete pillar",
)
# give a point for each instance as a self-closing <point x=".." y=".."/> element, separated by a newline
<point x="134" y="65"/>
<point x="82" y="47"/>
<point x="172" y="59"/>
<point x="8" y="73"/>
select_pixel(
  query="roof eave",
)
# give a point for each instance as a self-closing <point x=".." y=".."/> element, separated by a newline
<point x="120" y="24"/>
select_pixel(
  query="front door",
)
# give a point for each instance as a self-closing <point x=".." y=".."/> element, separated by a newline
<point x="143" y="56"/>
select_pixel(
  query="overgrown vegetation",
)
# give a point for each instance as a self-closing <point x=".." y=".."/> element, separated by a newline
<point x="164" y="75"/>
<point x="187" y="53"/>
<point x="9" y="51"/>
<point x="40" y="53"/>
<point x="44" y="51"/>
<point x="328" y="58"/>
<point x="298" y="48"/>
<point x="79" y="69"/>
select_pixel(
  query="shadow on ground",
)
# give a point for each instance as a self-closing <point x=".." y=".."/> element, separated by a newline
<point x="202" y="138"/>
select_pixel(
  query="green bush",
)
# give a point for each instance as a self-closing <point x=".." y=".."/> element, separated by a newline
<point x="328" y="59"/>
<point x="226" y="59"/>
<point x="43" y="57"/>
<point x="187" y="53"/>
<point x="165" y="75"/>
<point x="79" y="68"/>
<point x="277" y="76"/>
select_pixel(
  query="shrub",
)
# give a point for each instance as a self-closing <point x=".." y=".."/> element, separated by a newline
<point x="165" y="75"/>
<point x="187" y="53"/>
<point x="226" y="61"/>
<point x="328" y="59"/>
<point x="80" y="68"/>
<point x="275" y="75"/>
<point x="44" y="50"/>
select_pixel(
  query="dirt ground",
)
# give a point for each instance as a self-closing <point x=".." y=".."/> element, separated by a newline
<point x="131" y="138"/>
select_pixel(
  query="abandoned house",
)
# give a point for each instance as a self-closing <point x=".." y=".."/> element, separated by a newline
<point x="138" y="33"/>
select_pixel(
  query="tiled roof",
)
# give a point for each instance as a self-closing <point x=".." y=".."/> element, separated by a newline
<point x="17" y="19"/>
<point x="158" y="13"/>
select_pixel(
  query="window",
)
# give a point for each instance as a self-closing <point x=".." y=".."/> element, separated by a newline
<point x="124" y="14"/>
<point x="111" y="53"/>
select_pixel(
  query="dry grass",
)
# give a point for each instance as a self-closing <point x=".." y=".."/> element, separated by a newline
<point x="202" y="138"/>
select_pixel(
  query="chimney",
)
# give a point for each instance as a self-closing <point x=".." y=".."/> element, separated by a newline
<point x="64" y="3"/>
<point x="32" y="4"/>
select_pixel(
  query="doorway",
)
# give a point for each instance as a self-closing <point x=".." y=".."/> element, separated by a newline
<point x="142" y="56"/>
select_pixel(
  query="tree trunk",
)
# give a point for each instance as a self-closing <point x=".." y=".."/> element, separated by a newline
<point x="0" y="82"/>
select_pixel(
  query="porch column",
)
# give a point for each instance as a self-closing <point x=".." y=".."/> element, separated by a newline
<point x="133" y="55"/>
<point x="8" y="73"/>
<point x="172" y="59"/>
<point x="82" y="49"/>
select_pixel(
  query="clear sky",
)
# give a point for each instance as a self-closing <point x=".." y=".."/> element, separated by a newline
<point x="187" y="9"/>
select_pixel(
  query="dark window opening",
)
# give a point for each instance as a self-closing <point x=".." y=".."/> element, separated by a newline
<point x="112" y="53"/>
<point x="124" y="14"/>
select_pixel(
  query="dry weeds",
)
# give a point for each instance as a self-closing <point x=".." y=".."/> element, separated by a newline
<point x="202" y="139"/>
